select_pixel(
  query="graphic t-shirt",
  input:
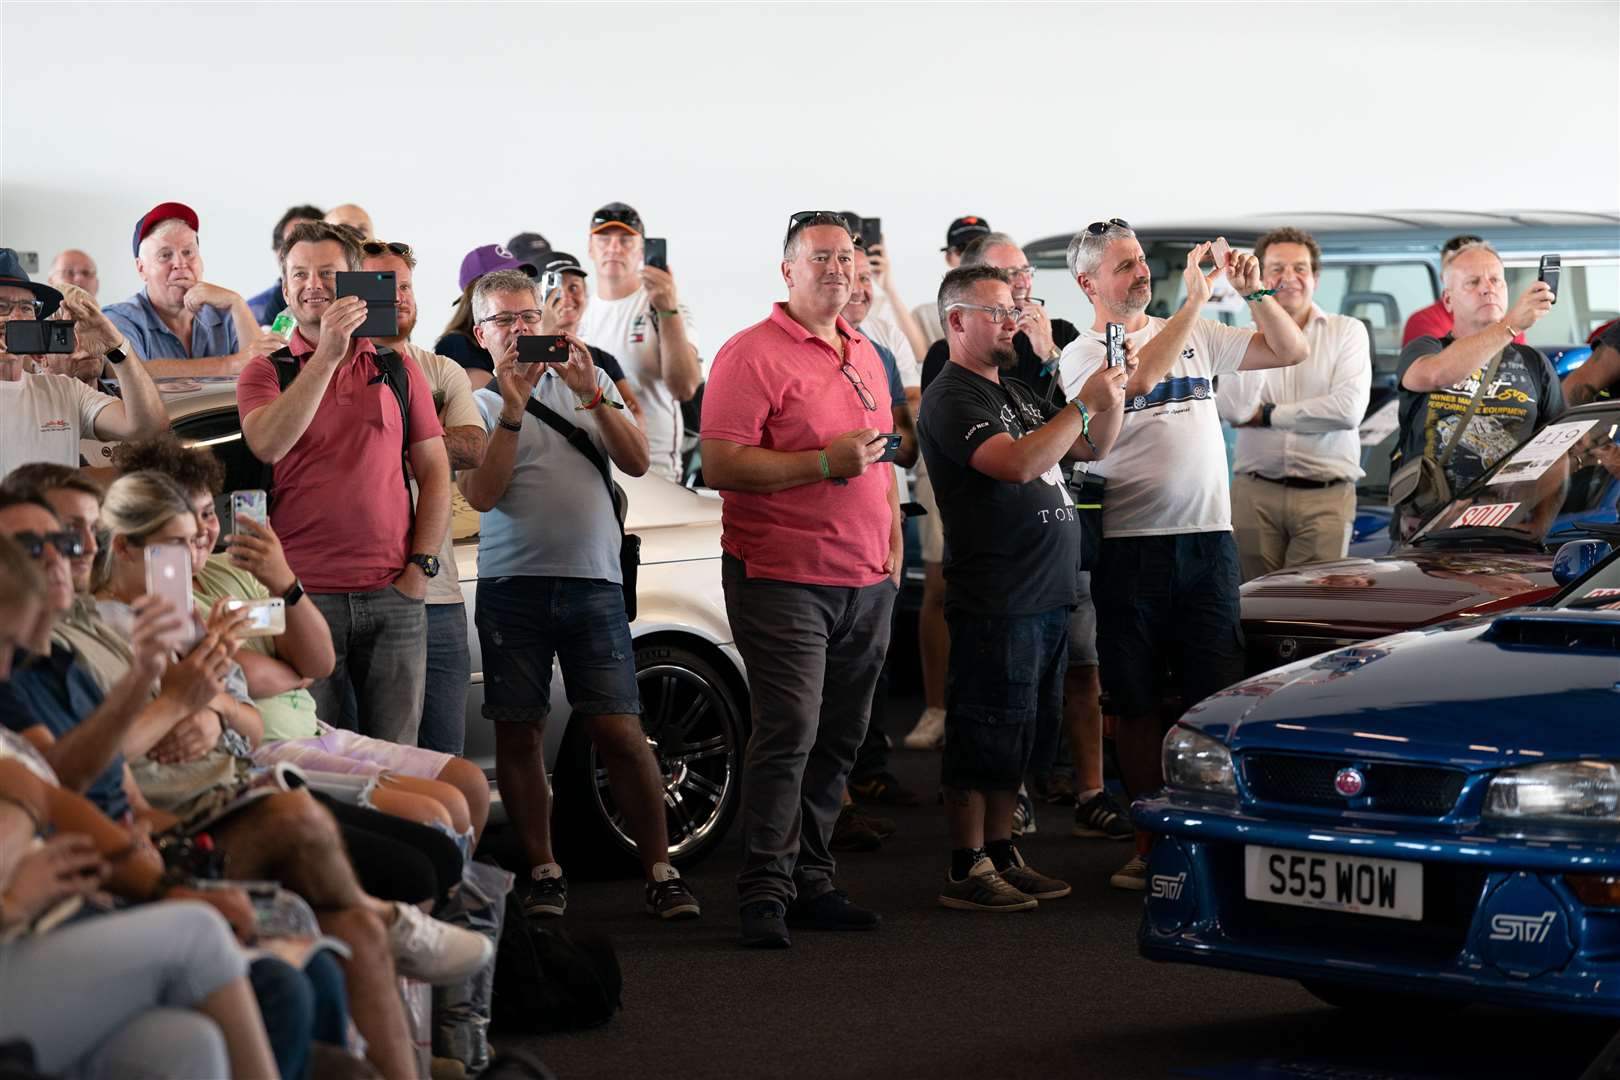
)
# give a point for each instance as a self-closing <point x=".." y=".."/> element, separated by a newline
<point x="628" y="329"/>
<point x="1010" y="549"/>
<point x="1167" y="470"/>
<point x="43" y="417"/>
<point x="1524" y="395"/>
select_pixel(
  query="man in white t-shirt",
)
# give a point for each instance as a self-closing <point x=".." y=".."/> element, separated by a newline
<point x="44" y="413"/>
<point x="637" y="317"/>
<point x="1166" y="584"/>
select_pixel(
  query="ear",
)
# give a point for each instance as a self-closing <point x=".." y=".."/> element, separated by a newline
<point x="1445" y="300"/>
<point x="787" y="273"/>
<point x="1085" y="284"/>
<point x="478" y="336"/>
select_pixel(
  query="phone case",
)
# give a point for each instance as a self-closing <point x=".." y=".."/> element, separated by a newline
<point x="376" y="288"/>
<point x="267" y="617"/>
<point x="168" y="575"/>
<point x="249" y="505"/>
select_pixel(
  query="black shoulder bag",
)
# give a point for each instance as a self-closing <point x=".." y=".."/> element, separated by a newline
<point x="629" y="543"/>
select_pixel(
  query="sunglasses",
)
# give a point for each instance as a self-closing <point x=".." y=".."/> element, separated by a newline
<point x="1097" y="228"/>
<point x="373" y="248"/>
<point x="628" y="218"/>
<point x="804" y="219"/>
<point x="67" y="544"/>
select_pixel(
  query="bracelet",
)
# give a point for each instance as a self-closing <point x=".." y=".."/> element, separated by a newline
<point x="671" y="313"/>
<point x="826" y="470"/>
<point x="1260" y="294"/>
<point x="587" y="406"/>
<point x="1085" y="424"/>
<point x="508" y="425"/>
<point x="1512" y="333"/>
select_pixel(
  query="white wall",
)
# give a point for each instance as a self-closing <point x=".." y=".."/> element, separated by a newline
<point x="461" y="124"/>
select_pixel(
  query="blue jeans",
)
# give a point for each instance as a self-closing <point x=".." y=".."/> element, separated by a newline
<point x="1003" y="696"/>
<point x="381" y="642"/>
<point x="449" y="667"/>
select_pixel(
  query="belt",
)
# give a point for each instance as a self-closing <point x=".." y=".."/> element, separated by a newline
<point x="1296" y="482"/>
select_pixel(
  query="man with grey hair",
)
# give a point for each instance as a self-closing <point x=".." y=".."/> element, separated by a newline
<point x="349" y="420"/>
<point x="1166" y="583"/>
<point x="1476" y="372"/>
<point x="179" y="324"/>
<point x="550" y="585"/>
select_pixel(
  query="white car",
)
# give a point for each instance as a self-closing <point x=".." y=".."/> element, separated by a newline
<point x="693" y="690"/>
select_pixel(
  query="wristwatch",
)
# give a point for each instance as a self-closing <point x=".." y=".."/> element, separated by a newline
<point x="294" y="594"/>
<point x="428" y="563"/>
<point x="115" y="355"/>
<point x="1265" y="413"/>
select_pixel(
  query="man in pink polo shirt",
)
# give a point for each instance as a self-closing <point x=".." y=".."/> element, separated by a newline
<point x="811" y="560"/>
<point x="340" y="502"/>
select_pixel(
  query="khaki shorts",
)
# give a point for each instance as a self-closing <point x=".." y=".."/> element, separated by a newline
<point x="931" y="530"/>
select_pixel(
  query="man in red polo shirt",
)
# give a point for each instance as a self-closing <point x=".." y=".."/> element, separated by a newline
<point x="810" y="562"/>
<point x="340" y="502"/>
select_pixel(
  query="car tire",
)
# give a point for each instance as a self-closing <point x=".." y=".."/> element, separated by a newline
<point x="697" y="730"/>
<point x="1366" y="1001"/>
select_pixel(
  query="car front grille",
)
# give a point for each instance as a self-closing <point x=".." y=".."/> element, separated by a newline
<point x="1419" y="790"/>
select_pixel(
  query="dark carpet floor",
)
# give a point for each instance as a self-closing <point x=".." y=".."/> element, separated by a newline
<point x="1054" y="993"/>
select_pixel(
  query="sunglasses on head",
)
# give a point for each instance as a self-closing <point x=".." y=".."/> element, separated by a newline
<point x="625" y="217"/>
<point x="373" y="248"/>
<point x="1097" y="228"/>
<point x="67" y="544"/>
<point x="804" y="219"/>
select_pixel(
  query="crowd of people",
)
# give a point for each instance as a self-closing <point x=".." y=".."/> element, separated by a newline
<point x="158" y="754"/>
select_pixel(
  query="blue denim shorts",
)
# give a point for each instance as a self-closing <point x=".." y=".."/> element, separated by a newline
<point x="523" y="622"/>
<point x="1003" y="693"/>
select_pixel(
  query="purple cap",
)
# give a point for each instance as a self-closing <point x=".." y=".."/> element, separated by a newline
<point x="488" y="259"/>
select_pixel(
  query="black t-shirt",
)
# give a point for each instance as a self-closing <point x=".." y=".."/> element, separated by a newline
<point x="1031" y="370"/>
<point x="1524" y="396"/>
<point x="1010" y="549"/>
<point x="470" y="355"/>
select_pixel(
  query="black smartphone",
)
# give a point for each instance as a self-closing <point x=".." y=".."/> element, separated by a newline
<point x="871" y="232"/>
<point x="655" y="252"/>
<point x="1551" y="267"/>
<point x="542" y="349"/>
<point x="891" y="447"/>
<point x="32" y="337"/>
<point x="1115" y="336"/>
<point x="376" y="288"/>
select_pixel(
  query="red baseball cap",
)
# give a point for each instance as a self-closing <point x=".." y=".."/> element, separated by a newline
<point x="158" y="213"/>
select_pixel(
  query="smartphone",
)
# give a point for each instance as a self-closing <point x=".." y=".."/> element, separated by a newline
<point x="376" y="288"/>
<point x="1551" y="267"/>
<point x="32" y="337"/>
<point x="1115" y="338"/>
<point x="168" y="575"/>
<point x="871" y="232"/>
<point x="542" y="349"/>
<point x="266" y="617"/>
<point x="550" y="282"/>
<point x="891" y="440"/>
<point x="249" y="506"/>
<point x="655" y="252"/>
<point x="1220" y="251"/>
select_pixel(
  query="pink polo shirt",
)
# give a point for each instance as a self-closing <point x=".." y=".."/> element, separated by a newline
<point x="778" y="386"/>
<point x="340" y="505"/>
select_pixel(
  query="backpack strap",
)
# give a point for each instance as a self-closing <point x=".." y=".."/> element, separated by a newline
<point x="393" y="373"/>
<point x="580" y="441"/>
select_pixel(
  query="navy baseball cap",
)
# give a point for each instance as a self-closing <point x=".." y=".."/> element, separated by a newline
<point x="159" y="213"/>
<point x="562" y="262"/>
<point x="531" y="247"/>
<point x="12" y="273"/>
<point x="963" y="231"/>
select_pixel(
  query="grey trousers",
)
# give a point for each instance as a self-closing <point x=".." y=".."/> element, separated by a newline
<point x="381" y="643"/>
<point x="813" y="654"/>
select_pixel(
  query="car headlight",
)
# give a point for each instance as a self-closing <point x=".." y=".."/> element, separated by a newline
<point x="1197" y="762"/>
<point x="1557" y="791"/>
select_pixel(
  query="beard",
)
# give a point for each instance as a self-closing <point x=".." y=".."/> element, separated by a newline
<point x="1005" y="359"/>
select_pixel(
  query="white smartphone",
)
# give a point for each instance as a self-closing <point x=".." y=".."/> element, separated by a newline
<point x="1220" y="251"/>
<point x="251" y="506"/>
<point x="168" y="575"/>
<point x="266" y="617"/>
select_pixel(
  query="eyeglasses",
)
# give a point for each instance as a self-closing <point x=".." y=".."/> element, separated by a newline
<point x="997" y="314"/>
<point x="20" y="309"/>
<point x="804" y="219"/>
<point x="373" y="248"/>
<point x="508" y="319"/>
<point x="1097" y="228"/>
<point x="854" y="378"/>
<point x="1025" y="269"/>
<point x="67" y="544"/>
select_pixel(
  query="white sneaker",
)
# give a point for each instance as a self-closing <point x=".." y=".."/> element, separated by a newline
<point x="929" y="734"/>
<point x="435" y="952"/>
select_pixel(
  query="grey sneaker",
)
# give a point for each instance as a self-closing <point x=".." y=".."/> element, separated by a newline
<point x="1133" y="875"/>
<point x="1032" y="882"/>
<point x="435" y="952"/>
<point x="984" y="890"/>
<point x="1023" y="815"/>
<point x="1101" y="816"/>
<point x="671" y="898"/>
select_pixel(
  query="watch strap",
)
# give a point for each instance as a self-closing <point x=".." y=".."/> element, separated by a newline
<point x="294" y="594"/>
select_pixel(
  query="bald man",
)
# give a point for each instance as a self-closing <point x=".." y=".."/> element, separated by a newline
<point x="355" y="217"/>
<point x="74" y="267"/>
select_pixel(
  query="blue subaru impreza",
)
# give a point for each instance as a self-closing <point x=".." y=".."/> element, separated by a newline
<point x="1433" y="815"/>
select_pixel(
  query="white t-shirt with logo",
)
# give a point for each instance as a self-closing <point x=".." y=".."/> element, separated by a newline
<point x="626" y="328"/>
<point x="1167" y="469"/>
<point x="43" y="417"/>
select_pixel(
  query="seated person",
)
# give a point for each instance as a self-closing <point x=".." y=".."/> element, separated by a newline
<point x="178" y="323"/>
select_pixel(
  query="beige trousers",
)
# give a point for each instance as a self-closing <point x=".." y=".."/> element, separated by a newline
<point x="1277" y="526"/>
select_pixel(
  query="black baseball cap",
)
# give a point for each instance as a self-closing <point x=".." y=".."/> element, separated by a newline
<point x="617" y="215"/>
<point x="529" y="247"/>
<point x="556" y="262"/>
<point x="12" y="273"/>
<point x="963" y="231"/>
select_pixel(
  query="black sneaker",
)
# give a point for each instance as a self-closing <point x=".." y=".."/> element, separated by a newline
<point x="882" y="789"/>
<point x="671" y="899"/>
<point x="1101" y="816"/>
<point x="852" y="833"/>
<point x="831" y="911"/>
<point x="764" y="926"/>
<point x="544" y="898"/>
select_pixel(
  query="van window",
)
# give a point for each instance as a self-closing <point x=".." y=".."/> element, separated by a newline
<point x="1588" y="297"/>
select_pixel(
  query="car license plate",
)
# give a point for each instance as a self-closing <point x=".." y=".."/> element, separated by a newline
<point x="1348" y="883"/>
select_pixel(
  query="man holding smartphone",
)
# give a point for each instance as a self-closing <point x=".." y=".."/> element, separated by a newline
<point x="639" y="319"/>
<point x="335" y="431"/>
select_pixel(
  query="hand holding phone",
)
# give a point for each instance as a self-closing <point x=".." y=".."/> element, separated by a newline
<point x="31" y="337"/>
<point x="542" y="349"/>
<point x="1551" y="267"/>
<point x="891" y="445"/>
<point x="266" y="617"/>
<point x="168" y="576"/>
<point x="252" y="505"/>
<point x="376" y="288"/>
<point x="1115" y="338"/>
<point x="655" y="252"/>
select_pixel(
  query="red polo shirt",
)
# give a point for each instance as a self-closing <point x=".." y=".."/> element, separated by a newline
<point x="340" y="507"/>
<point x="778" y="386"/>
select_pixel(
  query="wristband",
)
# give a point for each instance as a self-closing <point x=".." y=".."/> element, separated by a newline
<point x="587" y="406"/>
<point x="1260" y="294"/>
<point x="826" y="470"/>
<point x="502" y="421"/>
<point x="1265" y="414"/>
<point x="1512" y="333"/>
<point x="671" y="313"/>
<point x="1085" y="424"/>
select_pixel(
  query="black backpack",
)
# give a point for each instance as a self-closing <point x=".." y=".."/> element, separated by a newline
<point x="548" y="980"/>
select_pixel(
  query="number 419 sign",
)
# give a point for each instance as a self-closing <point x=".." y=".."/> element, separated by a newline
<point x="1542" y="452"/>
